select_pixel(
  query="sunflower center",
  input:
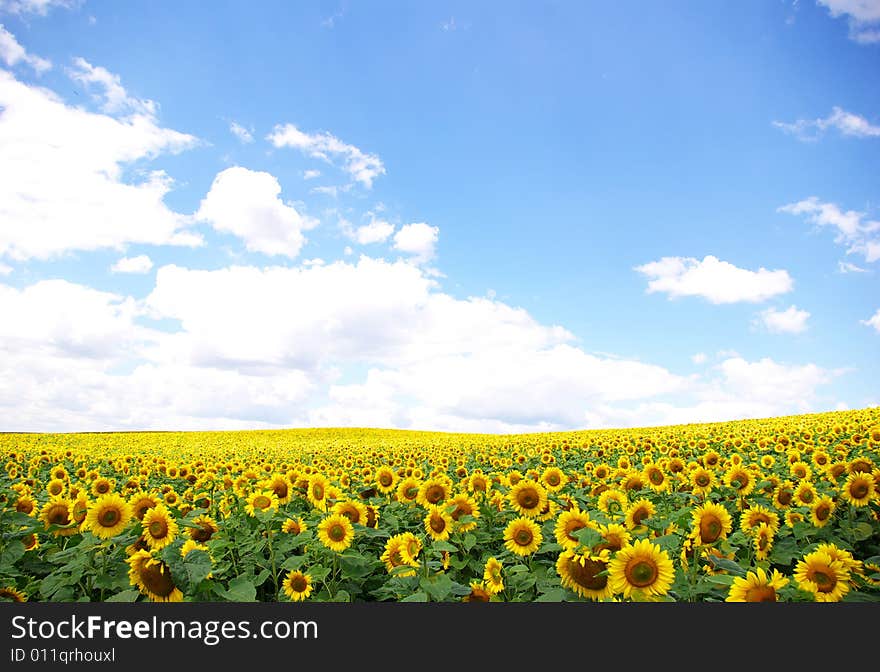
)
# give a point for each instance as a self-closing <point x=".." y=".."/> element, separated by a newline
<point x="822" y="512"/>
<point x="434" y="494"/>
<point x="385" y="480"/>
<point x="702" y="480"/>
<point x="280" y="489"/>
<point x="298" y="583"/>
<point x="710" y="528"/>
<point x="411" y="492"/>
<point x="639" y="515"/>
<point x="103" y="488"/>
<point x="553" y="479"/>
<point x="585" y="575"/>
<point x="641" y="572"/>
<point x="157" y="579"/>
<point x="479" y="485"/>
<point x="204" y="534"/>
<point x="824" y="579"/>
<point x="262" y="502"/>
<point x="438" y="524"/>
<point x="784" y="497"/>
<point x="527" y="498"/>
<point x="523" y="537"/>
<point x="760" y="594"/>
<point x="24" y="506"/>
<point x="573" y="526"/>
<point x="58" y="515"/>
<point x="656" y="477"/>
<point x="55" y="489"/>
<point x="109" y="517"/>
<point x="158" y="529"/>
<point x="336" y="532"/>
<point x="859" y="489"/>
<point x="807" y="496"/>
<point x="318" y="491"/>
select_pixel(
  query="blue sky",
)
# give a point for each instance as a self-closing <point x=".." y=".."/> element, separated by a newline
<point x="479" y="217"/>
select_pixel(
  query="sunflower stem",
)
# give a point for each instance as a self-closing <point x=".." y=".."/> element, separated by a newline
<point x="272" y="557"/>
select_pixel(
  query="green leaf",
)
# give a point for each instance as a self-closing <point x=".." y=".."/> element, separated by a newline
<point x="862" y="531"/>
<point x="553" y="595"/>
<point x="198" y="566"/>
<point x="727" y="565"/>
<point x="438" y="586"/>
<point x="124" y="596"/>
<point x="241" y="589"/>
<point x="855" y="596"/>
<point x="469" y="541"/>
<point x="587" y="537"/>
<point x="444" y="546"/>
<point x="294" y="562"/>
<point x="11" y="554"/>
<point x="721" y="579"/>
<point x="416" y="597"/>
<point x="341" y="596"/>
<point x="356" y="567"/>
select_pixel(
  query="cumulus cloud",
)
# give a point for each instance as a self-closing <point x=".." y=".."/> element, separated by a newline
<point x="715" y="280"/>
<point x="418" y="239"/>
<point x="377" y="231"/>
<point x="63" y="179"/>
<point x="863" y="17"/>
<point x="699" y="358"/>
<point x="112" y="95"/>
<point x="846" y="123"/>
<point x="873" y="321"/>
<point x="139" y="264"/>
<point x="246" y="204"/>
<point x="38" y="7"/>
<point x="853" y="229"/>
<point x="240" y="132"/>
<point x="846" y="267"/>
<point x="361" y="166"/>
<point x="12" y="53"/>
<point x="789" y="321"/>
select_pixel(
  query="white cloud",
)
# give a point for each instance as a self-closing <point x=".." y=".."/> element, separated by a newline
<point x="39" y="7"/>
<point x="240" y="132"/>
<point x="139" y="264"/>
<point x="846" y="267"/>
<point x="847" y="123"/>
<point x="114" y="96"/>
<point x="863" y="17"/>
<point x="5" y="269"/>
<point x="362" y="167"/>
<point x="789" y="321"/>
<point x="715" y="280"/>
<point x="699" y="358"/>
<point x="377" y="231"/>
<point x="332" y="191"/>
<point x="246" y="204"/>
<point x="873" y="321"/>
<point x="12" y="53"/>
<point x="311" y="174"/>
<point x="418" y="239"/>
<point x="62" y="184"/>
<point x="860" y="235"/>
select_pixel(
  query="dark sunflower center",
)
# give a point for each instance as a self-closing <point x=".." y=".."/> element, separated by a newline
<point x="822" y="512"/>
<point x="824" y="580"/>
<point x="280" y="489"/>
<point x="261" y="502"/>
<point x="298" y="583"/>
<point x="385" y="480"/>
<point x="807" y="496"/>
<point x="336" y="532"/>
<point x="157" y="579"/>
<point x="103" y="488"/>
<point x="109" y="517"/>
<point x="158" y="529"/>
<point x="586" y="575"/>
<point x="24" y="506"/>
<point x="438" y="524"/>
<point x="523" y="537"/>
<point x="641" y="572"/>
<point x="656" y="477"/>
<point x="702" y="480"/>
<point x="784" y="497"/>
<point x="411" y="492"/>
<point x="54" y="489"/>
<point x="710" y="528"/>
<point x="859" y="489"/>
<point x="318" y="491"/>
<point x="573" y="526"/>
<point x="434" y="494"/>
<point x="58" y="515"/>
<point x="553" y="479"/>
<point x="205" y="533"/>
<point x="479" y="485"/>
<point x="639" y="515"/>
<point x="761" y="594"/>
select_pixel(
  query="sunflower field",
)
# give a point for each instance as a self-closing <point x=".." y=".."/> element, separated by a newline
<point x="782" y="509"/>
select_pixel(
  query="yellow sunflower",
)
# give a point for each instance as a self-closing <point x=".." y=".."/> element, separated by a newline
<point x="462" y="505"/>
<point x="336" y="532"/>
<point x="614" y="537"/>
<point x="317" y="491"/>
<point x="280" y="486"/>
<point x="740" y="479"/>
<point x="492" y="579"/>
<point x="656" y="478"/>
<point x="711" y="522"/>
<point x="204" y="527"/>
<point x="762" y="541"/>
<point x="108" y="516"/>
<point x="702" y="481"/>
<point x="585" y="573"/>
<point x="385" y="479"/>
<point x="261" y="500"/>
<point x="757" y="586"/>
<point x="859" y="489"/>
<point x="297" y="586"/>
<point x="159" y="527"/>
<point x="639" y="511"/>
<point x="613" y="502"/>
<point x="351" y="509"/>
<point x="396" y="554"/>
<point x="102" y="486"/>
<point x="433" y="492"/>
<point x="527" y="498"/>
<point x="642" y="568"/>
<point x="56" y="487"/>
<point x="153" y="577"/>
<point x="408" y="490"/>
<point x="57" y="512"/>
<point x="567" y="524"/>
<point x="294" y="526"/>
<point x="827" y="579"/>
<point x="12" y="594"/>
<point x="805" y="494"/>
<point x="756" y="514"/>
<point x="822" y="510"/>
<point x="553" y="479"/>
<point x="522" y="536"/>
<point x="438" y="523"/>
<point x="140" y="502"/>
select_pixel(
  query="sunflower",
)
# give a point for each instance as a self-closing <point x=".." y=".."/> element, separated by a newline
<point x="294" y="526"/>
<point x="12" y="594"/>
<point x="297" y="586"/>
<point x="153" y="577"/>
<point x="478" y="593"/>
<point x="711" y="522"/>
<point x="757" y="586"/>
<point x="527" y="498"/>
<point x="783" y="495"/>
<point x="800" y="470"/>
<point x="398" y="553"/>
<point x="317" y="491"/>
<point x="56" y="487"/>
<point x="203" y="528"/>
<point x="762" y="541"/>
<point x="57" y="512"/>
<point x="522" y="536"/>
<point x="336" y="532"/>
<point x="553" y="479"/>
<point x="821" y="511"/>
<point x="492" y="579"/>
<point x="844" y="556"/>
<point x="385" y="479"/>
<point x="740" y="479"/>
<point x="462" y="505"/>
<point x="827" y="579"/>
<point x="26" y="504"/>
<point x="805" y="494"/>
<point x="408" y="490"/>
<point x="159" y="527"/>
<point x="656" y="478"/>
<point x="478" y="483"/>
<point x="584" y="573"/>
<point x="261" y="500"/>
<point x="79" y="510"/>
<point x="433" y="492"/>
<point x="613" y="502"/>
<point x="438" y="523"/>
<point x="756" y="514"/>
<point x="859" y="489"/>
<point x="280" y="485"/>
<point x="638" y="511"/>
<point x="702" y="481"/>
<point x="140" y="502"/>
<point x="108" y="516"/>
<point x="643" y="568"/>
<point x="614" y="537"/>
<point x="567" y="524"/>
<point x="102" y="486"/>
<point x="351" y="509"/>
